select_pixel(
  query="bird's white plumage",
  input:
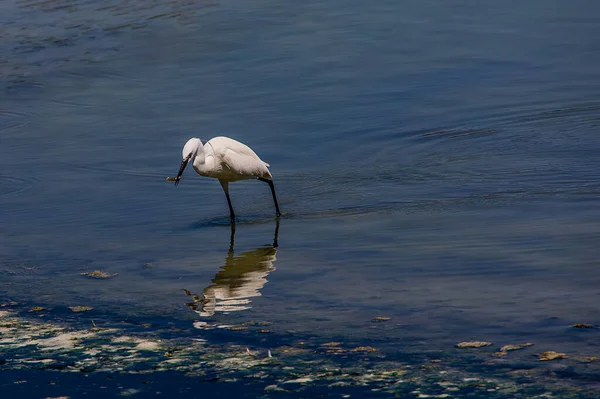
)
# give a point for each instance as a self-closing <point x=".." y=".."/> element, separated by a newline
<point x="226" y="159"/>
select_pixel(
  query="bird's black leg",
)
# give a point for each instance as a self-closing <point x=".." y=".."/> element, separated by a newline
<point x="231" y="240"/>
<point x="270" y="183"/>
<point x="225" y="185"/>
<point x="275" y="243"/>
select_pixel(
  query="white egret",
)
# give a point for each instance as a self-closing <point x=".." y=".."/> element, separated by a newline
<point x="227" y="160"/>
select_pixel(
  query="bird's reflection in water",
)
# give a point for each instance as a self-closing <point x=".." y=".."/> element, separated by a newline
<point x="240" y="279"/>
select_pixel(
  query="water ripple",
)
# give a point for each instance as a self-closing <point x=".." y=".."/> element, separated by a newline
<point x="25" y="87"/>
<point x="10" y="185"/>
<point x="116" y="172"/>
<point x="39" y="29"/>
<point x="13" y="120"/>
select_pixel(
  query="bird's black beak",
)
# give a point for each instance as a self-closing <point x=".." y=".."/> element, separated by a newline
<point x="181" y="169"/>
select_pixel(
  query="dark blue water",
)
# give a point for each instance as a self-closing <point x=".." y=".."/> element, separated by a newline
<point x="436" y="163"/>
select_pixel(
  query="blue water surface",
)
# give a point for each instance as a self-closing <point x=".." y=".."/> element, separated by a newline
<point x="436" y="163"/>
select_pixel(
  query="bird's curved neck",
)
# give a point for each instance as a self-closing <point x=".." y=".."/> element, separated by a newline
<point x="203" y="160"/>
<point x="199" y="156"/>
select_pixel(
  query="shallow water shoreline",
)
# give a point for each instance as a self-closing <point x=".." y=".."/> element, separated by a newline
<point x="42" y="357"/>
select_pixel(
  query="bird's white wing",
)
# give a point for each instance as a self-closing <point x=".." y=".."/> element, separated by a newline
<point x="244" y="165"/>
<point x="239" y="158"/>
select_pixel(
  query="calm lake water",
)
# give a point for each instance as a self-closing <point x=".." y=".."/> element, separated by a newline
<point x="436" y="163"/>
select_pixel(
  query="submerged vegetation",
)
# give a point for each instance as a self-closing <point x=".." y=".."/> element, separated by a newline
<point x="99" y="274"/>
<point x="307" y="367"/>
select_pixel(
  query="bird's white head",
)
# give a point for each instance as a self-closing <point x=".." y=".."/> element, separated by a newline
<point x="190" y="149"/>
<point x="189" y="152"/>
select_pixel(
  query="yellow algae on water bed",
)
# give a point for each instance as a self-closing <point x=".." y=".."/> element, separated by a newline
<point x="473" y="344"/>
<point x="148" y="346"/>
<point x="301" y="380"/>
<point x="364" y="349"/>
<point x="258" y="323"/>
<point x="551" y="355"/>
<point x="78" y="309"/>
<point x="581" y="325"/>
<point x="300" y="368"/>
<point x="62" y="341"/>
<point x="506" y="348"/>
<point x="331" y="344"/>
<point x="237" y="328"/>
<point x="515" y="347"/>
<point x="99" y="275"/>
<point x="587" y="359"/>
